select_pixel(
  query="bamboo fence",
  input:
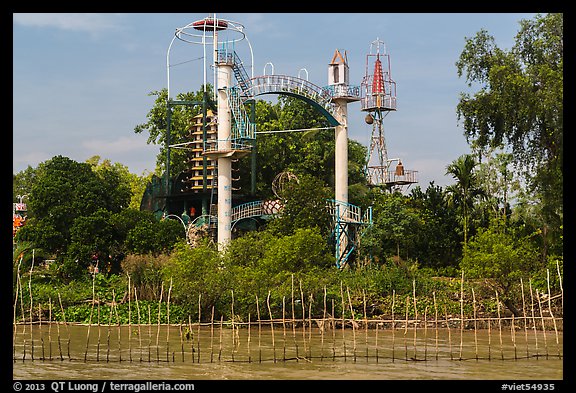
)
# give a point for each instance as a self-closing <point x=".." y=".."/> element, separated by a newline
<point x="428" y="336"/>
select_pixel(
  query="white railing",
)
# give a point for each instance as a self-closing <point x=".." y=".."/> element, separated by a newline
<point x="346" y="212"/>
<point x="247" y="210"/>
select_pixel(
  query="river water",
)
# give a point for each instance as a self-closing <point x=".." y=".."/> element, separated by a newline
<point x="59" y="352"/>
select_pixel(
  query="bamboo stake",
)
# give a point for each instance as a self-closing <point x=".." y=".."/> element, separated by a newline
<point x="65" y="325"/>
<point x="271" y="326"/>
<point x="524" y="317"/>
<point x="220" y="343"/>
<point x="212" y="335"/>
<point x="461" y="313"/>
<point x="406" y="329"/>
<point x="302" y="302"/>
<point x="115" y="306"/>
<point x="353" y="323"/>
<point x="343" y="321"/>
<point x="333" y="324"/>
<point x="449" y="333"/>
<point x="99" y="333"/>
<point x="199" y="324"/>
<point x="236" y="332"/>
<point x="550" y="310"/>
<point x="259" y="331"/>
<point x="323" y="326"/>
<point x="59" y="343"/>
<point x="499" y="326"/>
<point x="533" y="319"/>
<point x="489" y="337"/>
<point x="108" y="337"/>
<point x="393" y="322"/>
<point x="50" y="328"/>
<point x="149" y="332"/>
<point x="168" y="321"/>
<point x="376" y="341"/>
<point x="90" y="319"/>
<point x="129" y="320"/>
<point x="310" y="326"/>
<point x="139" y="323"/>
<point x="435" y="322"/>
<point x="475" y="325"/>
<point x="416" y="321"/>
<point x="293" y="319"/>
<point x="365" y="323"/>
<point x="248" y="340"/>
<point x="14" y="324"/>
<point x="40" y="329"/>
<point x="19" y="283"/>
<point x="181" y="341"/>
<point x="192" y="350"/>
<point x="513" y="336"/>
<point x="158" y="323"/>
<point x="232" y="325"/>
<point x="31" y="307"/>
<point x="426" y="332"/>
<point x="542" y="321"/>
<point x="560" y="282"/>
<point x="283" y="329"/>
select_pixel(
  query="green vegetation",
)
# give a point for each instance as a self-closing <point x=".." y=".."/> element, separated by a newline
<point x="499" y="223"/>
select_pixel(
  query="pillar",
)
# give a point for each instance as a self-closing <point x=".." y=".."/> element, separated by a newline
<point x="224" y="162"/>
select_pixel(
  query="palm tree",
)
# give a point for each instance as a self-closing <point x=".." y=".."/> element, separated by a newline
<point x="463" y="194"/>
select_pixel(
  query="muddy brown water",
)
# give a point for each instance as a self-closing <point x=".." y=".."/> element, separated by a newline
<point x="150" y="352"/>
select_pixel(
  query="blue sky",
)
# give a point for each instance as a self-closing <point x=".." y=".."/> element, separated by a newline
<point x="81" y="81"/>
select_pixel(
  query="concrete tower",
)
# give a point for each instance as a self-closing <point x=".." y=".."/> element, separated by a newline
<point x="342" y="94"/>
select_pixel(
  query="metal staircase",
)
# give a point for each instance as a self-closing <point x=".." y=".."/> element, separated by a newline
<point x="349" y="225"/>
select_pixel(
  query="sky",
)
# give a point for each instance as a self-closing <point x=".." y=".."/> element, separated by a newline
<point x="82" y="82"/>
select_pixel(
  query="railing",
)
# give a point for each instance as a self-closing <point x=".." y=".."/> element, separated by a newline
<point x="247" y="210"/>
<point x="289" y="84"/>
<point x="343" y="211"/>
<point x="242" y="128"/>
<point x="336" y="91"/>
<point x="225" y="145"/>
<point x="380" y="101"/>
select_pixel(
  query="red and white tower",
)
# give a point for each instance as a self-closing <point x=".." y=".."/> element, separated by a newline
<point x="379" y="99"/>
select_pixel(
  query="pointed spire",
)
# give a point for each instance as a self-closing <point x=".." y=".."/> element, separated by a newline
<point x="378" y="81"/>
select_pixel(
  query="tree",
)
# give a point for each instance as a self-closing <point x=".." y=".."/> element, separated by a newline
<point x="136" y="183"/>
<point x="22" y="182"/>
<point x="304" y="207"/>
<point x="465" y="192"/>
<point x="78" y="210"/>
<point x="396" y="224"/>
<point x="498" y="181"/>
<point x="498" y="253"/>
<point x="519" y="104"/>
<point x="437" y="243"/>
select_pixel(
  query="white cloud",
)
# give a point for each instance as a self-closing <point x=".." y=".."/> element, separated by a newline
<point x="123" y="144"/>
<point x="89" y="23"/>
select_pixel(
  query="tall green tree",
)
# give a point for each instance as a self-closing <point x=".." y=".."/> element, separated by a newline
<point x="437" y="242"/>
<point x="395" y="227"/>
<point x="465" y="192"/>
<point x="304" y="207"/>
<point x="519" y="104"/>
<point x="503" y="256"/>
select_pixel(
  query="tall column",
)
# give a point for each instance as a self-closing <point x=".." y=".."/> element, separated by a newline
<point x="341" y="172"/>
<point x="341" y="154"/>
<point x="224" y="162"/>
